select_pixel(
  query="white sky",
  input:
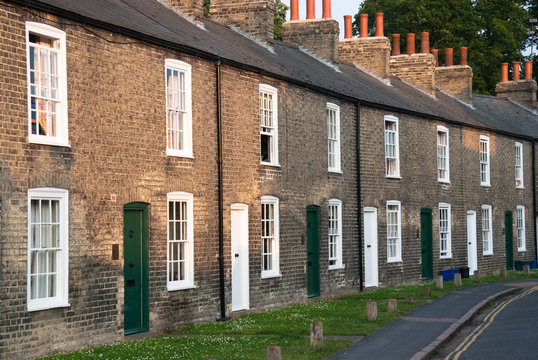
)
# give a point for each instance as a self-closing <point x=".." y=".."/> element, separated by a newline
<point x="339" y="9"/>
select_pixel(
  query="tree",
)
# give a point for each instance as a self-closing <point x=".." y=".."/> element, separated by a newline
<point x="493" y="30"/>
<point x="280" y="16"/>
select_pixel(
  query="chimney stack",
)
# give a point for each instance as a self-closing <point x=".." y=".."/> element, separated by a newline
<point x="395" y="44"/>
<point x="320" y="36"/>
<point x="255" y="18"/>
<point x="449" y="57"/>
<point x="522" y="91"/>
<point x="425" y="42"/>
<point x="193" y="9"/>
<point x="410" y="44"/>
<point x="369" y="53"/>
<point x="363" y="25"/>
<point x="379" y="24"/>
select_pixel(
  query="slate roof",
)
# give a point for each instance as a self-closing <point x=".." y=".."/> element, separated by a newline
<point x="149" y="18"/>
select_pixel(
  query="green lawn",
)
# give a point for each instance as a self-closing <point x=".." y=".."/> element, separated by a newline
<point x="248" y="336"/>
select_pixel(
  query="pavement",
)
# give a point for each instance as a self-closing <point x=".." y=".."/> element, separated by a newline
<point x="419" y="333"/>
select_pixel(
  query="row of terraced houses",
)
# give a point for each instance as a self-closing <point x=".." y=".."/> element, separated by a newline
<point x="159" y="169"/>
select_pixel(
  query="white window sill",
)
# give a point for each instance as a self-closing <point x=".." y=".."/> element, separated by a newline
<point x="522" y="250"/>
<point x="335" y="171"/>
<point x="270" y="164"/>
<point x="392" y="261"/>
<point x="446" y="257"/>
<point x="179" y="154"/>
<point x="180" y="287"/>
<point x="444" y="181"/>
<point x="48" y="141"/>
<point x="487" y="254"/>
<point x="271" y="275"/>
<point x="47" y="306"/>
<point x="485" y="185"/>
<point x="393" y="176"/>
<point x="520" y="187"/>
<point x="337" y="267"/>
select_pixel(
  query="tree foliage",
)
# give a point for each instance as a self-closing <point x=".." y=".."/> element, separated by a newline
<point x="494" y="31"/>
<point x="280" y="16"/>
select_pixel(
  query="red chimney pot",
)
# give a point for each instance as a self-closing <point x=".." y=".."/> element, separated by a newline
<point x="395" y="44"/>
<point x="410" y="43"/>
<point x="348" y="27"/>
<point x="515" y="68"/>
<point x="528" y="70"/>
<point x="379" y="24"/>
<point x="463" y="55"/>
<point x="425" y="42"/>
<point x="294" y="4"/>
<point x="504" y="72"/>
<point x="326" y="9"/>
<point x="363" y="25"/>
<point x="435" y="53"/>
<point x="310" y="9"/>
<point x="449" y="57"/>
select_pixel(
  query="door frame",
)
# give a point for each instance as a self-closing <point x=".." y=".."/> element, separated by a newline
<point x="509" y="239"/>
<point x="472" y="250"/>
<point x="426" y="245"/>
<point x="371" y="267"/>
<point x="243" y="253"/>
<point x="313" y="287"/>
<point x="143" y="208"/>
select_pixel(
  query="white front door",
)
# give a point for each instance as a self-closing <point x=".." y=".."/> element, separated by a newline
<point x="472" y="254"/>
<point x="370" y="247"/>
<point x="240" y="270"/>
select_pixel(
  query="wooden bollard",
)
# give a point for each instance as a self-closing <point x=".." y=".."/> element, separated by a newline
<point x="274" y="353"/>
<point x="527" y="270"/>
<point x="316" y="334"/>
<point x="457" y="279"/>
<point x="392" y="305"/>
<point x="409" y="300"/>
<point x="439" y="281"/>
<point x="371" y="311"/>
<point x="477" y="275"/>
<point x="502" y="273"/>
<point x="426" y="291"/>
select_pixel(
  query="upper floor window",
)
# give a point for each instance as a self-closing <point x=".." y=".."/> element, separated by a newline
<point x="178" y="108"/>
<point x="47" y="85"/>
<point x="392" y="147"/>
<point x="268" y="125"/>
<point x="333" y="135"/>
<point x="520" y="220"/>
<point x="48" y="247"/>
<point x="484" y="161"/>
<point x="487" y="236"/>
<point x="394" y="231"/>
<point x="445" y="231"/>
<point x="443" y="168"/>
<point x="335" y="234"/>
<point x="519" y="165"/>
<point x="180" y="242"/>
<point x="270" y="237"/>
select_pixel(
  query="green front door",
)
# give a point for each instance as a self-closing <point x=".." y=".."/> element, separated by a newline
<point x="312" y="248"/>
<point x="135" y="268"/>
<point x="509" y="240"/>
<point x="426" y="243"/>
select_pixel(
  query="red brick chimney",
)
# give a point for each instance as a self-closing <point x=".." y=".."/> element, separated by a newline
<point x="369" y="53"/>
<point x="522" y="91"/>
<point x="456" y="80"/>
<point x="193" y="9"/>
<point x="255" y="18"/>
<point x="320" y="36"/>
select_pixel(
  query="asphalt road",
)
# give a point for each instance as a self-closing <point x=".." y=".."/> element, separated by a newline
<point x="506" y="330"/>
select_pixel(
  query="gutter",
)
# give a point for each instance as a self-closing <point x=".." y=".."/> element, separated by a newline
<point x="209" y="56"/>
<point x="359" y="204"/>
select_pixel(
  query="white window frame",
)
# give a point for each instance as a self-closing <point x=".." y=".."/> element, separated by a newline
<point x="396" y="156"/>
<point x="521" y="228"/>
<point x="485" y="161"/>
<point x="275" y="240"/>
<point x="333" y="138"/>
<point x="188" y="282"/>
<point x="443" y="174"/>
<point x="446" y="251"/>
<point x="487" y="237"/>
<point x="519" y="165"/>
<point x="186" y="69"/>
<point x="62" y="137"/>
<point x="398" y="249"/>
<point x="271" y="131"/>
<point x="62" y="251"/>
<point x="335" y="234"/>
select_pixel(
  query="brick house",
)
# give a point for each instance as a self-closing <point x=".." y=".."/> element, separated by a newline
<point x="158" y="169"/>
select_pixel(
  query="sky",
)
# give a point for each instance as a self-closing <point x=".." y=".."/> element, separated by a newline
<point x="339" y="9"/>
